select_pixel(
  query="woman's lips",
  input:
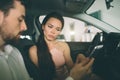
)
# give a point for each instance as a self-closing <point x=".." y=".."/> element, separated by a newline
<point x="51" y="36"/>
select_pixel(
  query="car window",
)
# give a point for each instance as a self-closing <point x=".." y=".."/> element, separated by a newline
<point x="76" y="30"/>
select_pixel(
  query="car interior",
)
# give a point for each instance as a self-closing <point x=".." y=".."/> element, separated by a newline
<point x="98" y="38"/>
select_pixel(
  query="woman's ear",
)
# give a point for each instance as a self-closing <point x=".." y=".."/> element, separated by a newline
<point x="1" y="17"/>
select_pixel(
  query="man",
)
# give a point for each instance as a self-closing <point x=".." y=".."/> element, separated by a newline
<point x="12" y="14"/>
<point x="12" y="23"/>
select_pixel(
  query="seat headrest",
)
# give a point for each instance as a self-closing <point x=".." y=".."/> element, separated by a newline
<point x="38" y="24"/>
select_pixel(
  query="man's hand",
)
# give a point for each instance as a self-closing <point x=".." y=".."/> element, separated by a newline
<point x="82" y="67"/>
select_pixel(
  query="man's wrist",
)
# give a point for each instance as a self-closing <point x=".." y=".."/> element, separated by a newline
<point x="69" y="78"/>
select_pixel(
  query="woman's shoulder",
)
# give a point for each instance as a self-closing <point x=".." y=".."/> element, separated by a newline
<point x="62" y="44"/>
<point x="33" y="48"/>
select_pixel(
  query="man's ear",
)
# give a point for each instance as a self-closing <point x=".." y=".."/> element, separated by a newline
<point x="1" y="17"/>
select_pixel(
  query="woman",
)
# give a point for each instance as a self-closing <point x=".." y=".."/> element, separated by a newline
<point x="52" y="57"/>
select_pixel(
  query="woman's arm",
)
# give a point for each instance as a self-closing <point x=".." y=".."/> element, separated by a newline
<point x="33" y="55"/>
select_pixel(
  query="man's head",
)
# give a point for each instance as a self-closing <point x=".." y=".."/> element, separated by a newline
<point x="12" y="23"/>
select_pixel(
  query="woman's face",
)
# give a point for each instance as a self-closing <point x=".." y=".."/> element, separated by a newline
<point x="52" y="29"/>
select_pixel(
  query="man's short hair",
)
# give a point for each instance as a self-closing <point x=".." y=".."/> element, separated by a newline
<point x="6" y="5"/>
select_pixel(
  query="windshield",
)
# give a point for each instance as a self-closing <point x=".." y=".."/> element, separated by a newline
<point x="107" y="11"/>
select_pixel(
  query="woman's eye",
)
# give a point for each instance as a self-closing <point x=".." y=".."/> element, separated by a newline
<point x="58" y="29"/>
<point x="50" y="26"/>
<point x="20" y="20"/>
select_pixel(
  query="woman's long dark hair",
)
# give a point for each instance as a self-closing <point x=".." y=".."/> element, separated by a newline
<point x="46" y="64"/>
